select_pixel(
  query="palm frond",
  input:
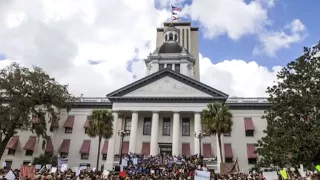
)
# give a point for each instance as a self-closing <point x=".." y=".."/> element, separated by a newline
<point x="217" y="118"/>
<point x="101" y="124"/>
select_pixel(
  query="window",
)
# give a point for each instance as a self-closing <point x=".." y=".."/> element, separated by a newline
<point x="177" y="68"/>
<point x="104" y="157"/>
<point x="11" y="152"/>
<point x="252" y="160"/>
<point x="29" y="152"/>
<point x="249" y="133"/>
<point x="171" y="36"/>
<point x="26" y="163"/>
<point x="127" y="124"/>
<point x="169" y="66"/>
<point x="84" y="165"/>
<point x="64" y="155"/>
<point x="228" y="160"/>
<point x="183" y="37"/>
<point x="147" y="126"/>
<point x="68" y="130"/>
<point x="161" y="66"/>
<point x="185" y="127"/>
<point x="227" y="134"/>
<point x="8" y="164"/>
<point x="166" y="127"/>
<point x="84" y="156"/>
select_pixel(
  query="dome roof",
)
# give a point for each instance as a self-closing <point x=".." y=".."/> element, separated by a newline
<point x="170" y="47"/>
<point x="171" y="27"/>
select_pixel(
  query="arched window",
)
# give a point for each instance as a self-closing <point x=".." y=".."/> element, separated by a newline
<point x="176" y="37"/>
<point x="170" y="36"/>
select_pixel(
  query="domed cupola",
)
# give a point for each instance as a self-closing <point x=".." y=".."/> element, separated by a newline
<point x="171" y="55"/>
<point x="168" y="47"/>
<point x="171" y="34"/>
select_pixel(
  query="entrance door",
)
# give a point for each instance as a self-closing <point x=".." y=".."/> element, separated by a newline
<point x="165" y="148"/>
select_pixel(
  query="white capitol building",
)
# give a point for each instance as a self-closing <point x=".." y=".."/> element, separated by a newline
<point x="161" y="110"/>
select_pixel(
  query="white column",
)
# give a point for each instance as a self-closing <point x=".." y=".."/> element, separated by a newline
<point x="218" y="153"/>
<point x="133" y="132"/>
<point x="197" y="129"/>
<point x="154" y="134"/>
<point x="176" y="134"/>
<point x="111" y="144"/>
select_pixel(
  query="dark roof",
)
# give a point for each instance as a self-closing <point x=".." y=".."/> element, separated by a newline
<point x="171" y="28"/>
<point x="216" y="94"/>
<point x="170" y="47"/>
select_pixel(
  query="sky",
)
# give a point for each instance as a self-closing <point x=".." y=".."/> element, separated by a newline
<point x="98" y="46"/>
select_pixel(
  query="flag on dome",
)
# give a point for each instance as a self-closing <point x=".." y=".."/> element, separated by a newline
<point x="174" y="8"/>
<point x="174" y="11"/>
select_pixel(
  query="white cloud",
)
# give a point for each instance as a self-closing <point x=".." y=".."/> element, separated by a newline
<point x="296" y="26"/>
<point x="234" y="18"/>
<point x="238" y="18"/>
<point x="168" y="3"/>
<point x="273" y="41"/>
<point x="61" y="40"/>
<point x="237" y="77"/>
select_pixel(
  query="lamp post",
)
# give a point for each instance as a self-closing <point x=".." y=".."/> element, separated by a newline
<point x="122" y="133"/>
<point x="199" y="136"/>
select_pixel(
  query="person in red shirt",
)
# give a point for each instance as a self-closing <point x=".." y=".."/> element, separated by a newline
<point x="123" y="174"/>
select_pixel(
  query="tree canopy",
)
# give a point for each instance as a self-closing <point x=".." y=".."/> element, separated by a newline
<point x="101" y="126"/>
<point x="293" y="130"/>
<point x="217" y="120"/>
<point x="46" y="158"/>
<point x="27" y="97"/>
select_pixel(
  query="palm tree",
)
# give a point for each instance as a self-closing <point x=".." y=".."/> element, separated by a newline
<point x="217" y="120"/>
<point x="101" y="126"/>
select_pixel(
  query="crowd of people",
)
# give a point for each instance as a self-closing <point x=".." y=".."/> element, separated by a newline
<point x="138" y="166"/>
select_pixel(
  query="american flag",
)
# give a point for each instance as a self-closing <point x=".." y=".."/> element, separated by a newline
<point x="27" y="171"/>
<point x="174" y="16"/>
<point x="174" y="8"/>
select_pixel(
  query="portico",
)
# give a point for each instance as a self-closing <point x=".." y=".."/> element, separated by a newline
<point x="161" y="130"/>
<point x="158" y="127"/>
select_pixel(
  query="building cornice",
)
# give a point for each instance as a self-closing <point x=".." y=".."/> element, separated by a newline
<point x="234" y="103"/>
<point x="178" y="24"/>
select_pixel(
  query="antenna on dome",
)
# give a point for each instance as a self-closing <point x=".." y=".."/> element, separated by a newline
<point x="174" y="14"/>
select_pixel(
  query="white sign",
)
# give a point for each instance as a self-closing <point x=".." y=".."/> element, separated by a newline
<point x="38" y="166"/>
<point x="202" y="175"/>
<point x="270" y="175"/>
<point x="124" y="162"/>
<point x="10" y="176"/>
<point x="53" y="170"/>
<point x="64" y="167"/>
<point x="48" y="166"/>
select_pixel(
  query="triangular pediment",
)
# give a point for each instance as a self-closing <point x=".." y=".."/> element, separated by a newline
<point x="167" y="83"/>
<point x="167" y="87"/>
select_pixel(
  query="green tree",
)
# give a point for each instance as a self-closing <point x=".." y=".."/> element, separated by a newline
<point x="27" y="96"/>
<point x="101" y="126"/>
<point x="293" y="130"/>
<point x="217" y="120"/>
<point x="46" y="158"/>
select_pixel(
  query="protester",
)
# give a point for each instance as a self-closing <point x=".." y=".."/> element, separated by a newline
<point x="146" y="167"/>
